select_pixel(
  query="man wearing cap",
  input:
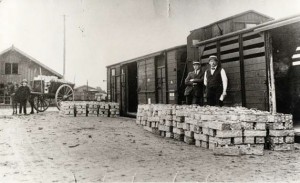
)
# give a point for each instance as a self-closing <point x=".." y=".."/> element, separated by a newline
<point x="215" y="80"/>
<point x="22" y="94"/>
<point x="194" y="85"/>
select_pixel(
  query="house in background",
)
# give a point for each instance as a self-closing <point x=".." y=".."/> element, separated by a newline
<point x="15" y="65"/>
<point x="87" y="93"/>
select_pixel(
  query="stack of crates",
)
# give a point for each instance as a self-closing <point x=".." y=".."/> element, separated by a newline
<point x="167" y="121"/>
<point x="90" y="108"/>
<point x="242" y="134"/>
<point x="67" y="108"/>
<point x="93" y="109"/>
<point x="141" y="116"/>
<point x="281" y="133"/>
<point x="80" y="108"/>
<point x="114" y="110"/>
<point x="104" y="110"/>
<point x="226" y="130"/>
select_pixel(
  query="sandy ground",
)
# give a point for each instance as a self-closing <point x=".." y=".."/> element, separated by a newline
<point x="47" y="147"/>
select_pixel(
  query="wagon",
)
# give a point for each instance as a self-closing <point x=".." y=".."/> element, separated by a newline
<point x="44" y="92"/>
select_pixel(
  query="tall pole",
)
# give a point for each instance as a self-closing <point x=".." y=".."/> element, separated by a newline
<point x="64" y="66"/>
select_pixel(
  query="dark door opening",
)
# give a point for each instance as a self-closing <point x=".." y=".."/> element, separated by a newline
<point x="132" y="87"/>
<point x="286" y="44"/>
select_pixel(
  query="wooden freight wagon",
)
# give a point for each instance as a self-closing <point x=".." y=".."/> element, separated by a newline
<point x="261" y="64"/>
<point x="153" y="78"/>
<point x="221" y="27"/>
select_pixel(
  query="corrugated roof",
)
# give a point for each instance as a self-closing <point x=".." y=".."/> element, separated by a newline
<point x="13" y="48"/>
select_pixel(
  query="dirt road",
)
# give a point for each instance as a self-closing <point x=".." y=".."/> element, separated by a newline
<point x="47" y="147"/>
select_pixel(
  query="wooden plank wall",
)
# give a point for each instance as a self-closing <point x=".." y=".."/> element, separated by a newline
<point x="243" y="58"/>
<point x="146" y="81"/>
<point x="249" y="18"/>
<point x="112" y="85"/>
<point x="210" y="49"/>
<point x="230" y="57"/>
<point x="255" y="71"/>
<point x="172" y="75"/>
<point x="228" y="52"/>
<point x="108" y="82"/>
<point x="160" y="79"/>
<point x="192" y="51"/>
<point x="181" y="61"/>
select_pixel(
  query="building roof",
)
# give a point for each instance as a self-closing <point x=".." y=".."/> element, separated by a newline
<point x="234" y="16"/>
<point x="91" y="89"/>
<point x="259" y="28"/>
<point x="13" y="48"/>
<point x="147" y="56"/>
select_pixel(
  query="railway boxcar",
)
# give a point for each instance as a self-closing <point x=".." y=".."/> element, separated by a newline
<point x="261" y="64"/>
<point x="153" y="78"/>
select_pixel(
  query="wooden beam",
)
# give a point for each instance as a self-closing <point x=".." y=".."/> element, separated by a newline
<point x="242" y="72"/>
<point x="229" y="47"/>
<point x="210" y="52"/>
<point x="166" y="76"/>
<point x="270" y="73"/>
<point x="229" y="39"/>
<point x="253" y="41"/>
<point x="254" y="51"/>
<point x="230" y="55"/>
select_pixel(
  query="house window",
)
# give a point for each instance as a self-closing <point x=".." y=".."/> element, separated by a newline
<point x="249" y="25"/>
<point x="11" y="68"/>
<point x="14" y="68"/>
<point x="113" y="72"/>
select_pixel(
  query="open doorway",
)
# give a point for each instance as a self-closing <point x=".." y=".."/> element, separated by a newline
<point x="132" y="88"/>
<point x="286" y="47"/>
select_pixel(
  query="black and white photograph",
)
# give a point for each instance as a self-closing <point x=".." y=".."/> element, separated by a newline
<point x="149" y="91"/>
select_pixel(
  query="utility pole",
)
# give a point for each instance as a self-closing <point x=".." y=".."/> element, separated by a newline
<point x="64" y="53"/>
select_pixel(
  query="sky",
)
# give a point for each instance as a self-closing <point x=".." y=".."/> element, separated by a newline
<point x="104" y="32"/>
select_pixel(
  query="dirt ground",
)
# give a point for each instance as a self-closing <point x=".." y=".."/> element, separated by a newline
<point x="47" y="147"/>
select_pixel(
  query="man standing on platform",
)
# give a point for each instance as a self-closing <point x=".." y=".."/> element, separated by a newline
<point x="194" y="85"/>
<point x="215" y="80"/>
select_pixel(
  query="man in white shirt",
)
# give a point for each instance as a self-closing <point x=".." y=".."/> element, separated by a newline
<point x="215" y="80"/>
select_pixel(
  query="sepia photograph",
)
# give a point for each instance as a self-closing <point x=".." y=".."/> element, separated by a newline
<point x="149" y="91"/>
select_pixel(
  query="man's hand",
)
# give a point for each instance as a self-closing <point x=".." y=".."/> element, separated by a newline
<point x="191" y="80"/>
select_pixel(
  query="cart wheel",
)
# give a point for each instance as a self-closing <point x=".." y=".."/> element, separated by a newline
<point x="64" y="93"/>
<point x="41" y="103"/>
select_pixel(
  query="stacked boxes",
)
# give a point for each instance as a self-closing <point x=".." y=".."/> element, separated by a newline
<point x="114" y="110"/>
<point x="80" y="108"/>
<point x="178" y="123"/>
<point x="67" y="108"/>
<point x="189" y="124"/>
<point x="90" y="108"/>
<point x="226" y="130"/>
<point x="281" y="133"/>
<point x="156" y="118"/>
<point x="166" y="121"/>
<point x="104" y="109"/>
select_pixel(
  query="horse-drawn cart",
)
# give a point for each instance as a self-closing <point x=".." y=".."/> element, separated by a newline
<point x="46" y="89"/>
